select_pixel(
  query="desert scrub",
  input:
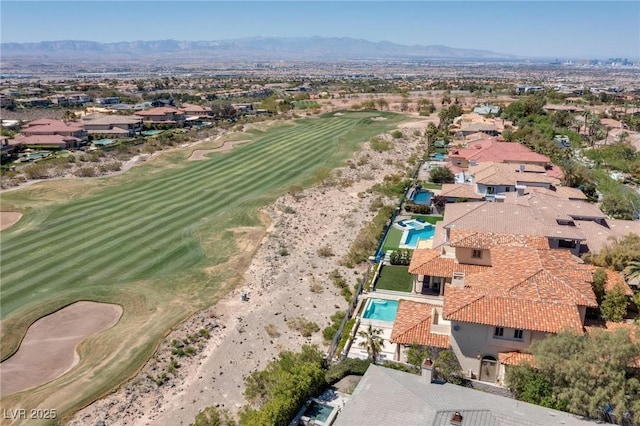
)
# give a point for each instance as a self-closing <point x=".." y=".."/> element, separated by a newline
<point x="304" y="327"/>
<point x="325" y="251"/>
<point x="380" y="145"/>
<point x="272" y="330"/>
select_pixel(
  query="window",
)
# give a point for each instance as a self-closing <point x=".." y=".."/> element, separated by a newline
<point x="476" y="254"/>
<point x="517" y="334"/>
<point x="498" y="332"/>
<point x="490" y="190"/>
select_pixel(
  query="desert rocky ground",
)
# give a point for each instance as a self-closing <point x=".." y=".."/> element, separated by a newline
<point x="246" y="335"/>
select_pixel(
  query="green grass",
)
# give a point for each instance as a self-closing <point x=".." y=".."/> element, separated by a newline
<point x="431" y="219"/>
<point x="396" y="278"/>
<point x="430" y="185"/>
<point x="149" y="239"/>
<point x="393" y="239"/>
<point x="305" y="104"/>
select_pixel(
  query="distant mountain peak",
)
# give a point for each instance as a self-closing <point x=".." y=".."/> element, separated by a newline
<point x="252" y="48"/>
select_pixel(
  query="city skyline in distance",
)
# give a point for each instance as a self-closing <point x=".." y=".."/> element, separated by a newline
<point x="535" y="29"/>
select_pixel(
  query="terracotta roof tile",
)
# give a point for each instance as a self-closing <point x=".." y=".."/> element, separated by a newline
<point x="500" y="152"/>
<point x="413" y="326"/>
<point x="459" y="191"/>
<point x="430" y="262"/>
<point x="515" y="358"/>
<point x="486" y="240"/>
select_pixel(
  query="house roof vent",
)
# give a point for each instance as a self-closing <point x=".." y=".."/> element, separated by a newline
<point x="456" y="419"/>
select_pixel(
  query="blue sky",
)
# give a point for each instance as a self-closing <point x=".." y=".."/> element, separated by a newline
<point x="586" y="29"/>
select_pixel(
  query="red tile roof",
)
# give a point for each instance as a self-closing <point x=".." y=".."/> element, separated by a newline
<point x="429" y="262"/>
<point x="413" y="326"/>
<point x="458" y="190"/>
<point x="486" y="240"/>
<point x="515" y="358"/>
<point x="526" y="288"/>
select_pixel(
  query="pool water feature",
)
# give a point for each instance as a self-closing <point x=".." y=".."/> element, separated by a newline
<point x="381" y="310"/>
<point x="318" y="411"/>
<point x="422" y="197"/>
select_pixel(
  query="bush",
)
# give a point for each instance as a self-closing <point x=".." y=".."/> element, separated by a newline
<point x="304" y="327"/>
<point x="87" y="171"/>
<point x="325" y="251"/>
<point x="441" y="175"/>
<point x="346" y="331"/>
<point x="345" y="368"/>
<point x="380" y="145"/>
<point x="396" y="134"/>
<point x="400" y="257"/>
<point x="366" y="241"/>
<point x="412" y="207"/>
<point x="36" y="171"/>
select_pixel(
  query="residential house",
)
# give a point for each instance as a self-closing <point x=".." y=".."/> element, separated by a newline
<point x="52" y="133"/>
<point x="527" y="294"/>
<point x="468" y="124"/>
<point x="111" y="100"/>
<point x="390" y="397"/>
<point x="490" y="179"/>
<point x="492" y="150"/>
<point x="112" y="126"/>
<point x="33" y="102"/>
<point x="196" y="110"/>
<point x="572" y="109"/>
<point x="168" y="116"/>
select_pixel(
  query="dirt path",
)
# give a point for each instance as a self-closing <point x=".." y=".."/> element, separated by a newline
<point x="48" y="349"/>
<point x="200" y="154"/>
<point x="8" y="219"/>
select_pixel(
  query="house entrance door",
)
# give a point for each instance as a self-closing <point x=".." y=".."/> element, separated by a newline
<point x="488" y="369"/>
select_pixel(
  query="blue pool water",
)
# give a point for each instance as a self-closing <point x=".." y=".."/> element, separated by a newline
<point x="422" y="197"/>
<point x="439" y="156"/>
<point x="317" y="411"/>
<point x="416" y="234"/>
<point x="380" y="309"/>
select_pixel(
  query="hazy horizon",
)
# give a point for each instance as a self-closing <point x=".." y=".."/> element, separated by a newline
<point x="535" y="29"/>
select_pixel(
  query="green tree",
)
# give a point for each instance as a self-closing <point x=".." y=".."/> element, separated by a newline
<point x="417" y="354"/>
<point x="586" y="372"/>
<point x="614" y="304"/>
<point x="382" y="103"/>
<point x="529" y="385"/>
<point x="617" y="206"/>
<point x="617" y="254"/>
<point x="446" y="367"/>
<point x="372" y="341"/>
<point x="447" y="115"/>
<point x="599" y="284"/>
<point x="441" y="175"/>
<point x="632" y="270"/>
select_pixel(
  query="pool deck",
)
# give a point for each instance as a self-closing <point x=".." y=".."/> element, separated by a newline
<point x="329" y="397"/>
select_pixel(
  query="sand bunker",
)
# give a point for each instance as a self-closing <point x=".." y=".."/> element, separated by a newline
<point x="200" y="154"/>
<point x="378" y="118"/>
<point x="8" y="219"/>
<point x="48" y="350"/>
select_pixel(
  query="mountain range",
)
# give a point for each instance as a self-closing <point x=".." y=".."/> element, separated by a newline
<point x="255" y="48"/>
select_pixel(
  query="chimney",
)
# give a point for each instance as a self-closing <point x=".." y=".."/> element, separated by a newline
<point x="456" y="419"/>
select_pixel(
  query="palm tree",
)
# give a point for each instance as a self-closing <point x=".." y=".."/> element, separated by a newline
<point x="632" y="270"/>
<point x="372" y="341"/>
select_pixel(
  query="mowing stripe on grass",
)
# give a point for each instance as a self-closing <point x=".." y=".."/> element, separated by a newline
<point x="132" y="232"/>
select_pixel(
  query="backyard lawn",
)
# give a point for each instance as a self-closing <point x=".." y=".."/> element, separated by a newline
<point x="431" y="219"/>
<point x="393" y="240"/>
<point x="396" y="278"/>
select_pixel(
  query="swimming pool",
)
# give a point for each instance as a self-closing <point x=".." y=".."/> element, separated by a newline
<point x="381" y="309"/>
<point x="422" y="197"/>
<point x="318" y="411"/>
<point x="439" y="156"/>
<point x="410" y="237"/>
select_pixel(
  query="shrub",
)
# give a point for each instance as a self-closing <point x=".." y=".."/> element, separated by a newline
<point x="380" y="145"/>
<point x="87" y="171"/>
<point x="349" y="366"/>
<point x="396" y="134"/>
<point x="36" y="171"/>
<point x="272" y="330"/>
<point x="325" y="251"/>
<point x="304" y="327"/>
<point x="366" y="241"/>
<point x="400" y="257"/>
<point x="412" y="207"/>
<point x="346" y="331"/>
